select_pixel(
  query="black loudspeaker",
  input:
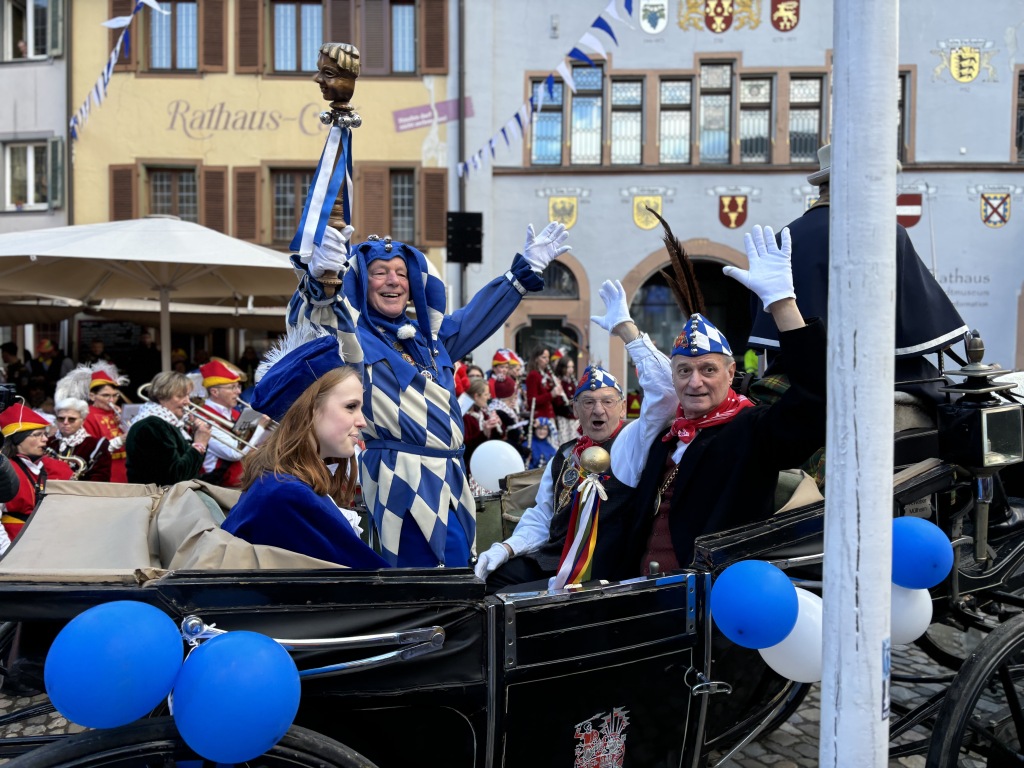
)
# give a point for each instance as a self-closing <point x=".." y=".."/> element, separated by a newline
<point x="465" y="237"/>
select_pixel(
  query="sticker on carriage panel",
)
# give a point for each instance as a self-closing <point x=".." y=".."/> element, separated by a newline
<point x="641" y="216"/>
<point x="562" y="210"/>
<point x="908" y="209"/>
<point x="965" y="59"/>
<point x="732" y="210"/>
<point x="785" y="14"/>
<point x="601" y="740"/>
<point x="653" y="16"/>
<point x="995" y="209"/>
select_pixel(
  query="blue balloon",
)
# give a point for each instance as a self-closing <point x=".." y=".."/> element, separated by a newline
<point x="113" y="663"/>
<point x="922" y="554"/>
<point x="754" y="604"/>
<point x="236" y="696"/>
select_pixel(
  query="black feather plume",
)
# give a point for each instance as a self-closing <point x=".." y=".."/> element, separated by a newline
<point x="681" y="279"/>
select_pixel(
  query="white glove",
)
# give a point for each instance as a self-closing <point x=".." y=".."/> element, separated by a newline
<point x="616" y="310"/>
<point x="770" y="273"/>
<point x="331" y="255"/>
<point x="115" y="443"/>
<point x="540" y="250"/>
<point x="490" y="560"/>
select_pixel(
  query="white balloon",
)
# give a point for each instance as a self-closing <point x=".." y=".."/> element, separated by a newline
<point x="798" y="657"/>
<point x="911" y="613"/>
<point x="493" y="460"/>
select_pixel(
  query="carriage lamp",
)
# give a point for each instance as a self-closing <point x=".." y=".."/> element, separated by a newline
<point x="980" y="432"/>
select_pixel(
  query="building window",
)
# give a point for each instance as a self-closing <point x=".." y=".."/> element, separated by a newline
<point x="674" y="121"/>
<point x="174" y="38"/>
<point x="298" y="34"/>
<point x="403" y="37"/>
<point x="559" y="283"/>
<point x="547" y="125"/>
<point x="627" y="99"/>
<point x="289" y="190"/>
<point x="25" y="25"/>
<point x="755" y="120"/>
<point x="403" y="205"/>
<point x="804" y="119"/>
<point x="25" y="172"/>
<point x="174" y="193"/>
<point x="715" y="112"/>
<point x="1020" y="117"/>
<point x="585" y="121"/>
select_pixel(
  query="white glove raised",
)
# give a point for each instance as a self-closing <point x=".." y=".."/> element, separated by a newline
<point x="770" y="272"/>
<point x="540" y="250"/>
<point x="331" y="255"/>
<point x="616" y="310"/>
<point x="490" y="560"/>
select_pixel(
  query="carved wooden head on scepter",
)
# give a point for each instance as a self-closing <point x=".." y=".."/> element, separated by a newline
<point x="337" y="70"/>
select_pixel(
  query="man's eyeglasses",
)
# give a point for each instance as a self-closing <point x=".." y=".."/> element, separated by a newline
<point x="588" y="403"/>
<point x="69" y="419"/>
<point x="228" y="387"/>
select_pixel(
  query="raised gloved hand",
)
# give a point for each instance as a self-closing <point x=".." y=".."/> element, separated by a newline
<point x="770" y="272"/>
<point x="540" y="250"/>
<point x="490" y="560"/>
<point x="616" y="310"/>
<point x="331" y="254"/>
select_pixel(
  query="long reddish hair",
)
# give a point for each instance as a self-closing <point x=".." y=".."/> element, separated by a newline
<point x="293" y="449"/>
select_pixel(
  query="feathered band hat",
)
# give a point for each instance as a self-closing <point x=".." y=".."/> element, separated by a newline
<point x="216" y="373"/>
<point x="20" y="418"/>
<point x="502" y="357"/>
<point x="86" y="378"/>
<point x="596" y="377"/>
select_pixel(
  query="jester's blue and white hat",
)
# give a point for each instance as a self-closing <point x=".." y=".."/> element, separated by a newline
<point x="595" y="377"/>
<point x="700" y="337"/>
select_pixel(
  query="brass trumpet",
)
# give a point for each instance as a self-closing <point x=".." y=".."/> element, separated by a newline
<point x="216" y="421"/>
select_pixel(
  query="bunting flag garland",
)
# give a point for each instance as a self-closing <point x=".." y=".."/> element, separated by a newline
<point x="516" y="125"/>
<point x="98" y="92"/>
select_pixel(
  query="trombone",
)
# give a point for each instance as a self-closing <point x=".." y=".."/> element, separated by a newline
<point x="215" y="420"/>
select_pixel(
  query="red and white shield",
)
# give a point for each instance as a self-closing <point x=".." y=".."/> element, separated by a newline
<point x="908" y="208"/>
<point x="785" y="14"/>
<point x="732" y="210"/>
<point x="718" y="15"/>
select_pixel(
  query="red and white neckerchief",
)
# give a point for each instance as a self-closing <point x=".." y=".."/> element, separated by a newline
<point x="585" y="442"/>
<point x="686" y="429"/>
<point x="74" y="440"/>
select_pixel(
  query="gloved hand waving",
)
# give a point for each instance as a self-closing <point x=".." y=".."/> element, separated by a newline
<point x="616" y="310"/>
<point x="332" y="254"/>
<point x="540" y="250"/>
<point x="770" y="272"/>
<point x="490" y="560"/>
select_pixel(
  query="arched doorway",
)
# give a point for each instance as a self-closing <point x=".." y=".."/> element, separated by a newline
<point x="726" y="302"/>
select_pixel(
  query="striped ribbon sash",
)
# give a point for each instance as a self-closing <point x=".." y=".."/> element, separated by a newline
<point x="578" y="555"/>
<point x="324" y="191"/>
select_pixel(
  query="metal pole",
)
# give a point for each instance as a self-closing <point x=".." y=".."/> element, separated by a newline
<point x="859" y="448"/>
<point x="165" y="329"/>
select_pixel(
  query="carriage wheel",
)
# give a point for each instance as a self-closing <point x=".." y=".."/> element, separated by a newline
<point x="156" y="743"/>
<point x="949" y="646"/>
<point x="982" y="719"/>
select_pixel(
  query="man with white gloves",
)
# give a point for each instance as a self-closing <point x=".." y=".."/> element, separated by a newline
<point x="412" y="471"/>
<point x="537" y="548"/>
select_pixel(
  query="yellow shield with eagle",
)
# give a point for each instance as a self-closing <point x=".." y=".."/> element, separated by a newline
<point x="641" y="216"/>
<point x="562" y="210"/>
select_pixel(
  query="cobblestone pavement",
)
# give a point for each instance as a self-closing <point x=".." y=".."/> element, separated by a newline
<point x="793" y="745"/>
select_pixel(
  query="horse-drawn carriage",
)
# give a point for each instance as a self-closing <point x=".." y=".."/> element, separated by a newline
<point x="420" y="667"/>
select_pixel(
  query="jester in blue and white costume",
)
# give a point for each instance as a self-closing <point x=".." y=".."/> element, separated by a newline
<point x="412" y="473"/>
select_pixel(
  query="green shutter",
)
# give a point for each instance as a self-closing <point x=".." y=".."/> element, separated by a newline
<point x="55" y="28"/>
<point x="55" y="171"/>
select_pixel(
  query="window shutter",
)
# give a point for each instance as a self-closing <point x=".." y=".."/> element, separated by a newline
<point x="246" y="204"/>
<point x="375" y="44"/>
<point x="433" y="206"/>
<point x="55" y="172"/>
<point x="127" y="60"/>
<point x="213" y="44"/>
<point x="124" y="196"/>
<point x="249" y="45"/>
<point x="55" y="27"/>
<point x="433" y="33"/>
<point x="213" y="198"/>
<point x="373" y="201"/>
<point x="339" y="22"/>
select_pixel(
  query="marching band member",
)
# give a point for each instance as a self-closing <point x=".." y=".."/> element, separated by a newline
<point x="543" y="390"/>
<point x="413" y="471"/>
<point x="291" y="499"/>
<point x="223" y="462"/>
<point x="99" y="385"/>
<point x="160" y="449"/>
<point x="499" y="367"/>
<point x="71" y="439"/>
<point x="25" y="438"/>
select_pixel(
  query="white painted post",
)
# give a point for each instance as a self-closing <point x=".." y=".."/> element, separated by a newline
<point x="859" y="448"/>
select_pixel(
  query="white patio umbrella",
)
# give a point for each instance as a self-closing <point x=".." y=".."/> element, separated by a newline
<point x="148" y="258"/>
